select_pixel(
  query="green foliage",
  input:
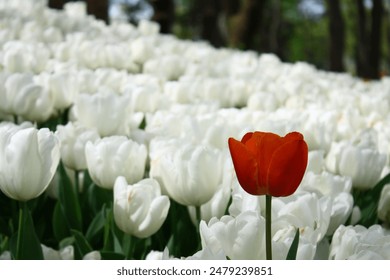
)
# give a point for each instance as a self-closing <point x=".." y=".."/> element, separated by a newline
<point x="25" y="244"/>
<point x="82" y="246"/>
<point x="292" y="252"/>
<point x="69" y="202"/>
<point x="368" y="201"/>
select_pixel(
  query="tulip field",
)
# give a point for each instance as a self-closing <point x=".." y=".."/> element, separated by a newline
<point x="119" y="142"/>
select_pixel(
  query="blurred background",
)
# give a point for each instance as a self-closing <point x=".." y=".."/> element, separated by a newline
<point x="335" y="35"/>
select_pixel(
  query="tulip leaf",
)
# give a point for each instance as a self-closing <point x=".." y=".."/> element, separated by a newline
<point x="69" y="201"/>
<point x="97" y="197"/>
<point x="179" y="224"/>
<point x="97" y="225"/>
<point x="377" y="189"/>
<point x="25" y="244"/>
<point x="66" y="242"/>
<point x="112" y="234"/>
<point x="142" y="125"/>
<point x="82" y="245"/>
<point x="368" y="202"/>
<point x="60" y="228"/>
<point x="292" y="252"/>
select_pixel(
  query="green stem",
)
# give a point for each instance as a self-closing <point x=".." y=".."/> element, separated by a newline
<point x="130" y="240"/>
<point x="198" y="219"/>
<point x="76" y="181"/>
<point x="268" y="237"/>
<point x="19" y="248"/>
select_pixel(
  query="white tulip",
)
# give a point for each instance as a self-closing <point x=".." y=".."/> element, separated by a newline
<point x="93" y="256"/>
<point x="358" y="242"/>
<point x="144" y="98"/>
<point x="190" y="174"/>
<point x="341" y="210"/>
<point x="107" y="112"/>
<point x="305" y="211"/>
<point x="73" y="138"/>
<point x="316" y="161"/>
<point x="359" y="160"/>
<point x="283" y="238"/>
<point x="64" y="88"/>
<point x="158" y="255"/>
<point x="28" y="160"/>
<point x="335" y="187"/>
<point x="242" y="237"/>
<point x="243" y="201"/>
<point x="27" y="99"/>
<point x="114" y="156"/>
<point x="364" y="166"/>
<point x="66" y="253"/>
<point x="217" y="205"/>
<point x="139" y="209"/>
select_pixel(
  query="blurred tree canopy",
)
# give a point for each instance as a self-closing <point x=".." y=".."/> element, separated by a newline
<point x="334" y="35"/>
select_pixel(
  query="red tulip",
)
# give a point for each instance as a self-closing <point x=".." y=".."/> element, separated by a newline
<point x="267" y="164"/>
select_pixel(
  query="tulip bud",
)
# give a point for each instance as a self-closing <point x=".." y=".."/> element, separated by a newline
<point x="241" y="237"/>
<point x="139" y="209"/>
<point x="62" y="86"/>
<point x="115" y="156"/>
<point x="191" y="175"/>
<point x="363" y="164"/>
<point x="73" y="138"/>
<point x="28" y="160"/>
<point x="358" y="242"/>
<point x="267" y="164"/>
<point x="108" y="113"/>
<point x="27" y="99"/>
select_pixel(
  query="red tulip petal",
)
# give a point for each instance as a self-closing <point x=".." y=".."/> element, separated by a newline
<point x="264" y="145"/>
<point x="246" y="137"/>
<point x="246" y="167"/>
<point x="287" y="166"/>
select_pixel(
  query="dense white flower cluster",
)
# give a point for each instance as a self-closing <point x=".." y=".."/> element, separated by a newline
<point x="192" y="97"/>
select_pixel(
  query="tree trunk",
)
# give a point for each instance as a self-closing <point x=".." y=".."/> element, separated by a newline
<point x="98" y="8"/>
<point x="247" y="24"/>
<point x="274" y="26"/>
<point x="56" y="4"/>
<point x="361" y="48"/>
<point x="376" y="32"/>
<point x="368" y="54"/>
<point x="206" y="15"/>
<point x="336" y="35"/>
<point x="164" y="13"/>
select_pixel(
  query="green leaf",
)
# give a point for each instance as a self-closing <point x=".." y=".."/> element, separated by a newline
<point x="69" y="201"/>
<point x="4" y="243"/>
<point x="66" y="242"/>
<point x="60" y="227"/>
<point x="82" y="245"/>
<point x="25" y="245"/>
<point x="98" y="197"/>
<point x="97" y="225"/>
<point x="292" y="252"/>
<point x="112" y="235"/>
<point x="143" y="123"/>
<point x="368" y="202"/>
<point x="377" y="189"/>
